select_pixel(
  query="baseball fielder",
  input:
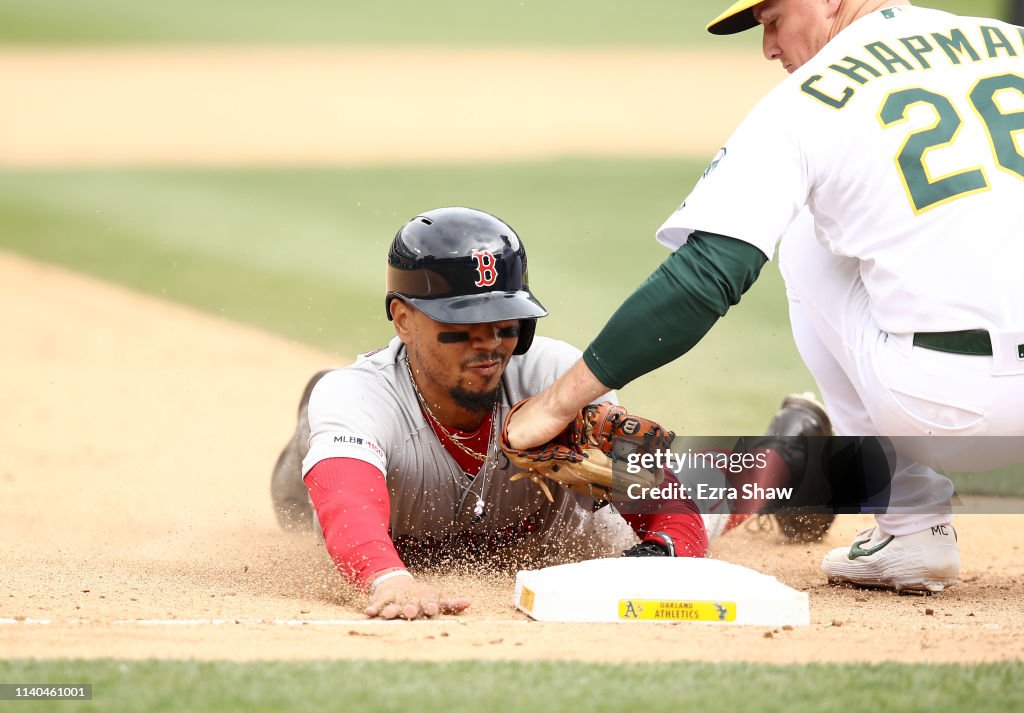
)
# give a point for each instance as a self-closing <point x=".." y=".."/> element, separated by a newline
<point x="892" y="159"/>
<point x="399" y="452"/>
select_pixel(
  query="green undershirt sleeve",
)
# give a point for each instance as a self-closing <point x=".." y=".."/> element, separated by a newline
<point x="674" y="308"/>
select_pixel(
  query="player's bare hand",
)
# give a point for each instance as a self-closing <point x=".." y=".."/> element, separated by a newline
<point x="532" y="424"/>
<point x="546" y="415"/>
<point x="408" y="598"/>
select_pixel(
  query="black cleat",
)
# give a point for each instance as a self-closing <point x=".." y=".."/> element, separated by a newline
<point x="287" y="491"/>
<point x="801" y="423"/>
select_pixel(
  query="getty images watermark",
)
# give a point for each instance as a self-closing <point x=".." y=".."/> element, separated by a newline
<point x="689" y="463"/>
<point x="823" y="474"/>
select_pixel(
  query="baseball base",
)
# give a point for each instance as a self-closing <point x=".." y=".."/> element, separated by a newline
<point x="654" y="589"/>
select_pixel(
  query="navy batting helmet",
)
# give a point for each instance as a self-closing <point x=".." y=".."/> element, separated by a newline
<point x="463" y="266"/>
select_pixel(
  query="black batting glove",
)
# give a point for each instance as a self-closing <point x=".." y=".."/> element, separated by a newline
<point x="647" y="549"/>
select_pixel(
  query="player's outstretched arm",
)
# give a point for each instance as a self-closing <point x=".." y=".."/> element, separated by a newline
<point x="666" y="316"/>
<point x="408" y="598"/>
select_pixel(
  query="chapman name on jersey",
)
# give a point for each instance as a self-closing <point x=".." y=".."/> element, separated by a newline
<point x="838" y="83"/>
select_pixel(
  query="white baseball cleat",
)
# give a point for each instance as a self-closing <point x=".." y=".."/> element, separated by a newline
<point x="927" y="561"/>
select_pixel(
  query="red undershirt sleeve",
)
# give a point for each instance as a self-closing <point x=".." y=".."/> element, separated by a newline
<point x="679" y="519"/>
<point x="352" y="503"/>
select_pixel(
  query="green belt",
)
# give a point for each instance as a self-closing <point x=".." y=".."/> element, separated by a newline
<point x="971" y="341"/>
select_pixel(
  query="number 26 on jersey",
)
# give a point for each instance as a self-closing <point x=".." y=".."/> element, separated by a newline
<point x="987" y="99"/>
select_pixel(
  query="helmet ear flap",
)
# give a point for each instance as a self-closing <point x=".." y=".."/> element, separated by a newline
<point x="527" y="328"/>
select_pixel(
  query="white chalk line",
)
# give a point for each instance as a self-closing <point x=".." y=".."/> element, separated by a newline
<point x="27" y="621"/>
<point x="265" y="622"/>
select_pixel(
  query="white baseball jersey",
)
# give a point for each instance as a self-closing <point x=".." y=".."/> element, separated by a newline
<point x="904" y="137"/>
<point x="370" y="412"/>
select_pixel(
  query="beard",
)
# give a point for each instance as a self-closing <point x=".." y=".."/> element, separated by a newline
<point x="478" y="401"/>
<point x="475" y="401"/>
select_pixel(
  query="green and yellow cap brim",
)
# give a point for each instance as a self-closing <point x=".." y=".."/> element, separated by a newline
<point x="739" y="17"/>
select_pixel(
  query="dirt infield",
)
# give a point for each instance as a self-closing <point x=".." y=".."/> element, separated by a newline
<point x="137" y="443"/>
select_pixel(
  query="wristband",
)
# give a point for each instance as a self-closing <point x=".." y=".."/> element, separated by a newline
<point x="386" y="576"/>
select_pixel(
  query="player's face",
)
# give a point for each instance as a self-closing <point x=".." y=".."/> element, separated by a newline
<point x="795" y="30"/>
<point x="465" y="361"/>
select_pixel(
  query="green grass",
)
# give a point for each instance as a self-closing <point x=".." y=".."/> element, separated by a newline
<point x="484" y="22"/>
<point x="392" y="687"/>
<point x="301" y="253"/>
<point x="1002" y="482"/>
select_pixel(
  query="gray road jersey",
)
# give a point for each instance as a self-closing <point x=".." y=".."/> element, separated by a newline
<point x="370" y="412"/>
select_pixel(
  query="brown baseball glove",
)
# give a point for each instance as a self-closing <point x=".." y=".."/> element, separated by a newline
<point x="594" y="455"/>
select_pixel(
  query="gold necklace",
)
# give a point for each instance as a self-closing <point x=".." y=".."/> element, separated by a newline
<point x="486" y="467"/>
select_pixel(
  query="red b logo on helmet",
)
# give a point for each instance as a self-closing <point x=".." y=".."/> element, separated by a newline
<point x="486" y="268"/>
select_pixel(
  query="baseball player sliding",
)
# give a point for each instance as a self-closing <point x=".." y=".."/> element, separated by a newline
<point x="398" y="454"/>
<point x="892" y="159"/>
